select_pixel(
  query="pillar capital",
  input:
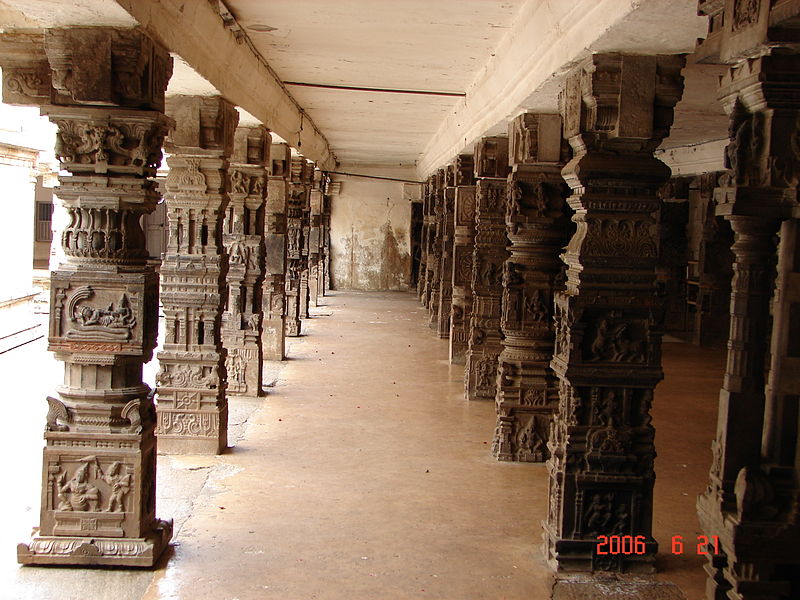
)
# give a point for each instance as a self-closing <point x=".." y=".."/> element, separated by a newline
<point x="204" y="125"/>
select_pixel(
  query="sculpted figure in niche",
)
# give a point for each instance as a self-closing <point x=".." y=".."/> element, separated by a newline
<point x="486" y="372"/>
<point x="599" y="514"/>
<point x="120" y="484"/>
<point x="535" y="308"/>
<point x="239" y="183"/>
<point x="77" y="494"/>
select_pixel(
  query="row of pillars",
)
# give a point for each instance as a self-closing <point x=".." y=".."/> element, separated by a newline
<point x="539" y="264"/>
<point x="247" y="255"/>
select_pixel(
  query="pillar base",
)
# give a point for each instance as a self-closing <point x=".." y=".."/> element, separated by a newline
<point x="189" y="445"/>
<point x="614" y="588"/>
<point x="94" y="551"/>
<point x="272" y="339"/>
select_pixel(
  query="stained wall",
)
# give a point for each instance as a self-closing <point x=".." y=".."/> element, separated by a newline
<point x="370" y="223"/>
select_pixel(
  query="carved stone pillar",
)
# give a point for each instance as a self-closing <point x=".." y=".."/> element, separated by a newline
<point x="331" y="191"/>
<point x="428" y="236"/>
<point x="491" y="170"/>
<point x="714" y="269"/>
<point x="434" y="261"/>
<point x="537" y="226"/>
<point x="192" y="404"/>
<point x="295" y="243"/>
<point x="104" y="89"/>
<point x="463" y="248"/>
<point x="446" y="252"/>
<point x="305" y="271"/>
<point x="243" y="236"/>
<point x="616" y="109"/>
<point x="314" y="240"/>
<point x="751" y="502"/>
<point x="274" y="294"/>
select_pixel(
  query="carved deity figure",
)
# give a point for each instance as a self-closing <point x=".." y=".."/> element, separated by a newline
<point x="535" y="308"/>
<point x="120" y="484"/>
<point x="239" y="183"/>
<point x="486" y="372"/>
<point x="78" y="494"/>
<point x="599" y="514"/>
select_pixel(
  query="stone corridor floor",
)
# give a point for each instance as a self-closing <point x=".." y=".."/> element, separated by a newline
<point x="363" y="474"/>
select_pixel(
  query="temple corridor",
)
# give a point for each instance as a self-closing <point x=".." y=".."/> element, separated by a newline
<point x="364" y="473"/>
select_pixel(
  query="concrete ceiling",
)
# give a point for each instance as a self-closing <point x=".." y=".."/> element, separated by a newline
<point x="421" y="45"/>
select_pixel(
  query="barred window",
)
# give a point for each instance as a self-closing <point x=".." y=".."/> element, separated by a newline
<point x="44" y="222"/>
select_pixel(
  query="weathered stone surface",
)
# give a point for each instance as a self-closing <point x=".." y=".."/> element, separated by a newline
<point x="616" y="110"/>
<point x="243" y="236"/>
<point x="446" y="227"/>
<point x="537" y="224"/>
<point x="98" y="486"/>
<point x="491" y="169"/>
<point x="615" y="588"/>
<point x="192" y="380"/>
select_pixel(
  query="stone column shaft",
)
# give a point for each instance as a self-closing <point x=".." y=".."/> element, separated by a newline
<point x="295" y="267"/>
<point x="274" y="295"/>
<point x="463" y="249"/>
<point x="616" y="110"/>
<point x="104" y="89"/>
<point x="243" y="236"/>
<point x="192" y="402"/>
<point x="491" y="170"/>
<point x="537" y="226"/>
<point x="446" y="252"/>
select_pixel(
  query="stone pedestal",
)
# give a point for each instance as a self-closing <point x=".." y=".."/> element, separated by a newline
<point x="491" y="170"/>
<point x="106" y="96"/>
<point x="537" y="226"/>
<point x="274" y="294"/>
<point x="463" y="248"/>
<point x="243" y="237"/>
<point x="616" y="109"/>
<point x="192" y="405"/>
<point x="751" y="502"/>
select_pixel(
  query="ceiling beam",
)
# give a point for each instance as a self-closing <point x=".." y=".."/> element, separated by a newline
<point x="196" y="32"/>
<point x="545" y="40"/>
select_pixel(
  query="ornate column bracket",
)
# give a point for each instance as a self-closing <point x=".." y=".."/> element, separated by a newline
<point x="489" y="255"/>
<point x="751" y="501"/>
<point x="463" y="247"/>
<point x="537" y="225"/>
<point x="616" y="110"/>
<point x="274" y="294"/>
<point x="192" y="380"/>
<point x="243" y="237"/>
<point x="104" y="89"/>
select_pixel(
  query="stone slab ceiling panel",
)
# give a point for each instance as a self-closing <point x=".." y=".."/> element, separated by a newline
<point x="410" y="45"/>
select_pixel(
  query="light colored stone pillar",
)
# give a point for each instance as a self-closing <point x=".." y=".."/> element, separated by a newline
<point x="314" y="241"/>
<point x="243" y="236"/>
<point x="274" y="325"/>
<point x="305" y="255"/>
<point x="616" y="110"/>
<point x="491" y="170"/>
<point x="104" y="89"/>
<point x="463" y="249"/>
<point x="537" y="224"/>
<point x="192" y="402"/>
